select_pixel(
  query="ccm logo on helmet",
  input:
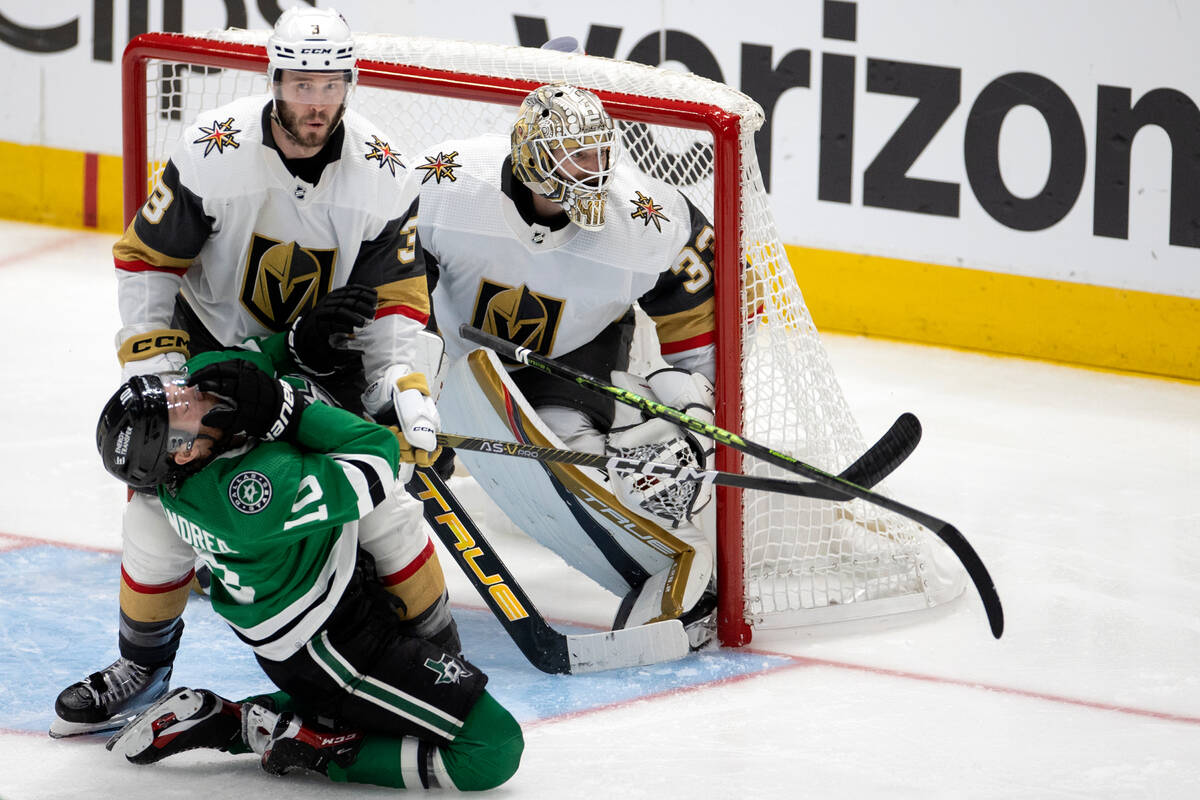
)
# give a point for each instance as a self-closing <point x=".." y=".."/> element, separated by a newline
<point x="317" y="50"/>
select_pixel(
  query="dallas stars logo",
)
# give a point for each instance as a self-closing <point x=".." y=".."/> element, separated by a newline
<point x="648" y="211"/>
<point x="382" y="152"/>
<point x="440" y="166"/>
<point x="448" y="670"/>
<point x="250" y="492"/>
<point x="220" y="136"/>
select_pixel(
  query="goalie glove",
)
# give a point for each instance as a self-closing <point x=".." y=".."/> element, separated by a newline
<point x="670" y="499"/>
<point x="401" y="399"/>
<point x="160" y="350"/>
<point x="319" y="341"/>
<point x="254" y="403"/>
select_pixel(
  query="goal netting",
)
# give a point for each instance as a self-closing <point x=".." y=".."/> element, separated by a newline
<point x="782" y="560"/>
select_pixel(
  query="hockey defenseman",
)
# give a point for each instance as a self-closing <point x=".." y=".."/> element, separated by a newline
<point x="547" y="238"/>
<point x="268" y="204"/>
<point x="268" y="489"/>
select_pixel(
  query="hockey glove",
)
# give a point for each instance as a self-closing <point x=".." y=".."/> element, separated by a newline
<point x="401" y="398"/>
<point x="162" y="350"/>
<point x="254" y="403"/>
<point x="319" y="341"/>
<point x="669" y="499"/>
<point x="413" y="455"/>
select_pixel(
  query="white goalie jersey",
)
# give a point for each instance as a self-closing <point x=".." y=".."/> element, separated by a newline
<point x="555" y="290"/>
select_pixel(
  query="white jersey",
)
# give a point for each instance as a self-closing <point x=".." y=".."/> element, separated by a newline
<point x="251" y="246"/>
<point x="555" y="290"/>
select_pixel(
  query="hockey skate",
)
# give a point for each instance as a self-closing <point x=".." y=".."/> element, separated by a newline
<point x="186" y="719"/>
<point x="284" y="742"/>
<point x="106" y="700"/>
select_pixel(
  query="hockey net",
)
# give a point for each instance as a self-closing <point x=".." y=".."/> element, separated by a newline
<point x="782" y="561"/>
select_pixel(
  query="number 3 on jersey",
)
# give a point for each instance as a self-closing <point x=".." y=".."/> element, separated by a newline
<point x="157" y="204"/>
<point x="690" y="261"/>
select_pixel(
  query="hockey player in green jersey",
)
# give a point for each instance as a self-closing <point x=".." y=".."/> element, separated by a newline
<point x="267" y="488"/>
<point x="303" y="195"/>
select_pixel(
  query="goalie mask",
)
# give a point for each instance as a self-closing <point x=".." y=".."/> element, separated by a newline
<point x="144" y="424"/>
<point x="310" y="61"/>
<point x="564" y="147"/>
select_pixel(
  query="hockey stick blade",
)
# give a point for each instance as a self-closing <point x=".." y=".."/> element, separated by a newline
<point x="542" y="645"/>
<point x="884" y="456"/>
<point x="943" y="530"/>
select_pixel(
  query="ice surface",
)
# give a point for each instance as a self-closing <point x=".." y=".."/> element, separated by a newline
<point x="1078" y="488"/>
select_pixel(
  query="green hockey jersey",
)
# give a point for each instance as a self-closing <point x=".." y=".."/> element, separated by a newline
<point x="277" y="522"/>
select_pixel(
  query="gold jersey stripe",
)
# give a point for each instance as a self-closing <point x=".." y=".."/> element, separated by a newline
<point x="412" y="292"/>
<point x="130" y="247"/>
<point x="687" y="324"/>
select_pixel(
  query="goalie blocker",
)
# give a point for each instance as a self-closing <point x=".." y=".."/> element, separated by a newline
<point x="660" y="566"/>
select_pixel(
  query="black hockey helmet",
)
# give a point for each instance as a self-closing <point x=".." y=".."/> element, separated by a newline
<point x="134" y="436"/>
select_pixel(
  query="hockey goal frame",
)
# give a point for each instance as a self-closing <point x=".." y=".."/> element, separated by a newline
<point x="733" y="628"/>
<point x="781" y="561"/>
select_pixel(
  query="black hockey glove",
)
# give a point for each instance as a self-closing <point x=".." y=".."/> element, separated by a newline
<point x="318" y="341"/>
<point x="257" y="404"/>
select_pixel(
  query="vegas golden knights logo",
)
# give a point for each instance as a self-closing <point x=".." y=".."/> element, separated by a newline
<point x="525" y="318"/>
<point x="283" y="280"/>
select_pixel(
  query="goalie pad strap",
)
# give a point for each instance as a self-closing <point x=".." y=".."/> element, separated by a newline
<point x="147" y="345"/>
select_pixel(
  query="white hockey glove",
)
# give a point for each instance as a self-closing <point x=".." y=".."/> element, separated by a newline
<point x="672" y="500"/>
<point x="401" y="398"/>
<point x="161" y="350"/>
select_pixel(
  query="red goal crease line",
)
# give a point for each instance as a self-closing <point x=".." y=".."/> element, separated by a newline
<point x="798" y="662"/>
<point x="13" y="541"/>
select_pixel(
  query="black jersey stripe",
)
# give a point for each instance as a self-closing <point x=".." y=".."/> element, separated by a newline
<point x="375" y="482"/>
<point x="294" y="621"/>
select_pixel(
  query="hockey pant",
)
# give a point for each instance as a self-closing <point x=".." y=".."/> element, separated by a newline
<point x="157" y="569"/>
<point x="427" y="718"/>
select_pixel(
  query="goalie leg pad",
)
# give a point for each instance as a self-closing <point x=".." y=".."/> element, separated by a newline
<point x="570" y="510"/>
<point x="673" y="592"/>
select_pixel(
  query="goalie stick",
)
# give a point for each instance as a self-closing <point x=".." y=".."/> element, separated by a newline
<point x="954" y="539"/>
<point x="544" y="647"/>
<point x="871" y="467"/>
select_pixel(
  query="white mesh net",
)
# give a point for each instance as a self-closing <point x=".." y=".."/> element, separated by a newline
<point x="804" y="560"/>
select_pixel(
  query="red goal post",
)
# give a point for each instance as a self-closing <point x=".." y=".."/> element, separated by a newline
<point x="781" y="561"/>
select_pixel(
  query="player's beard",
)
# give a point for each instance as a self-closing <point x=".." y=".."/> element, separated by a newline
<point x="296" y="125"/>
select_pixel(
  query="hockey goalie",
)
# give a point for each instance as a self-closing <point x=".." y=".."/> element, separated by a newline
<point x="547" y="238"/>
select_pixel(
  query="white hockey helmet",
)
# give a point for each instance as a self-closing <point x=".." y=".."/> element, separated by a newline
<point x="565" y="148"/>
<point x="311" y="40"/>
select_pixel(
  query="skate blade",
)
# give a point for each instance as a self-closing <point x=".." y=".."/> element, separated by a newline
<point x="138" y="734"/>
<point x="62" y="729"/>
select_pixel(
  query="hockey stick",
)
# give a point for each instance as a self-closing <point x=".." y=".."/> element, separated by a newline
<point x="875" y="464"/>
<point x="940" y="528"/>
<point x="544" y="647"/>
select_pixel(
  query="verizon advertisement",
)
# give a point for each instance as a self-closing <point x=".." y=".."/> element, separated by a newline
<point x="1047" y="138"/>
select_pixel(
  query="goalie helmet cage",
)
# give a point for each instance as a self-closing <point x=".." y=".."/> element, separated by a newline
<point x="782" y="561"/>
